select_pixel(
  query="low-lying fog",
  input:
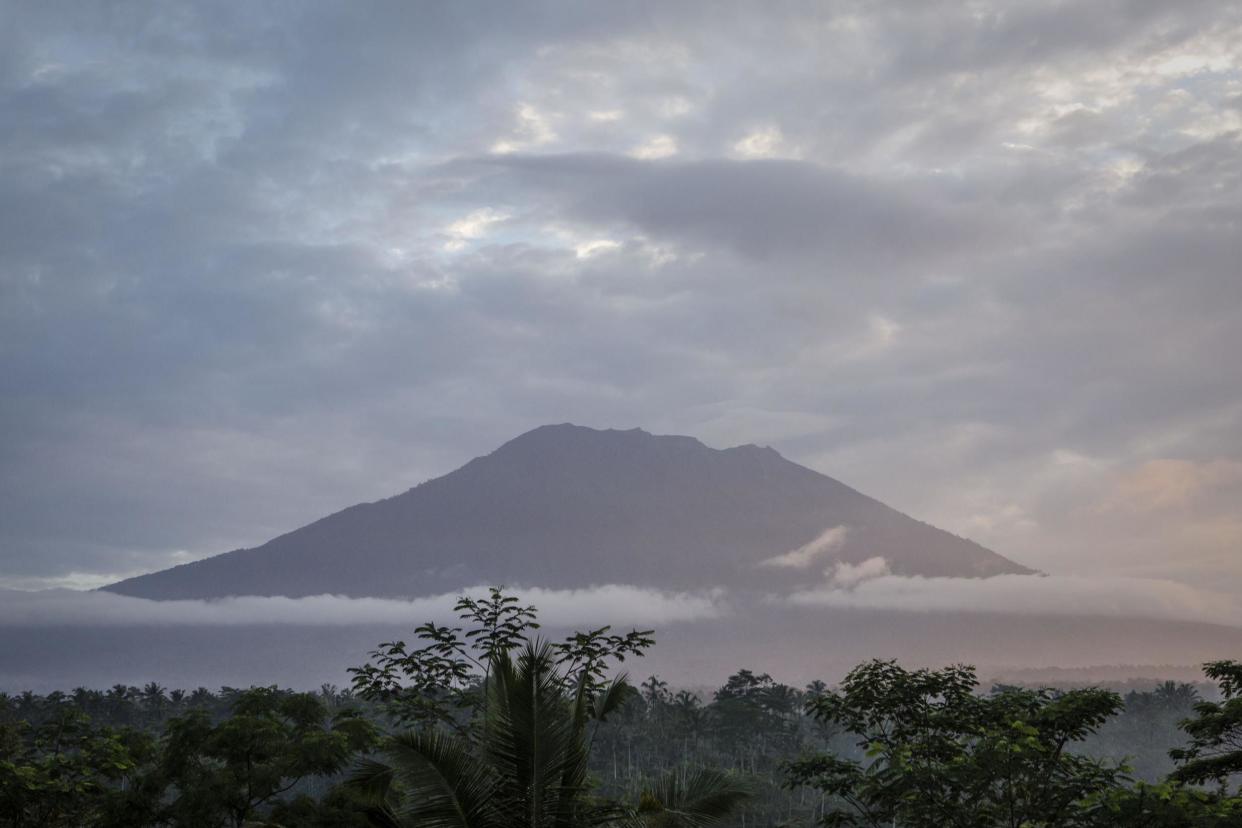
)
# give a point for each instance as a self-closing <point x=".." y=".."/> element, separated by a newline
<point x="1141" y="627"/>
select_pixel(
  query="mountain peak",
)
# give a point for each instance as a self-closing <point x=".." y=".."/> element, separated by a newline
<point x="571" y="435"/>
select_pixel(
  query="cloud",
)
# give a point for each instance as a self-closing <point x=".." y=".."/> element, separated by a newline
<point x="471" y="227"/>
<point x="920" y="248"/>
<point x="608" y="604"/>
<point x="661" y="146"/>
<point x="808" y="554"/>
<point x="845" y="575"/>
<point x="762" y="209"/>
<point x="1172" y="484"/>
<point x="763" y="143"/>
<point x="1032" y="595"/>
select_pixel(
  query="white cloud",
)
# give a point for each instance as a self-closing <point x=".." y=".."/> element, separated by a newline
<point x="846" y="575"/>
<point x="533" y="129"/>
<point x="767" y="142"/>
<point x="608" y="604"/>
<point x="471" y="227"/>
<point x="587" y="249"/>
<point x="881" y="335"/>
<point x="1033" y="595"/>
<point x="806" y="555"/>
<point x="661" y="146"/>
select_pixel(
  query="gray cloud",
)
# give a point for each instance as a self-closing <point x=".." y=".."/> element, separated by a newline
<point x="763" y="209"/>
<point x="261" y="263"/>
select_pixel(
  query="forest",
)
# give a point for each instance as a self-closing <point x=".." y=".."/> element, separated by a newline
<point x="487" y="723"/>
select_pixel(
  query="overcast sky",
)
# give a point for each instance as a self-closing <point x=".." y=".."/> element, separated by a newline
<point x="980" y="260"/>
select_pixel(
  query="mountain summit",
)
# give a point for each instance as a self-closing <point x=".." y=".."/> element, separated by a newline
<point x="564" y="506"/>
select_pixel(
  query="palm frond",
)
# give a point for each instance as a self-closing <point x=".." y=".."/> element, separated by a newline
<point x="532" y="741"/>
<point x="699" y="799"/>
<point x="371" y="784"/>
<point x="610" y="698"/>
<point x="441" y="785"/>
<point x="371" y="781"/>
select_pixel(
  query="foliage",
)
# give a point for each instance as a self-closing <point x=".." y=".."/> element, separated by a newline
<point x="750" y="703"/>
<point x="1215" y="750"/>
<point x="1147" y="727"/>
<point x="335" y="809"/>
<point x="690" y="800"/>
<point x="516" y="747"/>
<point x="204" y="771"/>
<point x="938" y="754"/>
<point x="222" y="774"/>
<point x="512" y="731"/>
<point x="528" y="767"/>
<point x="1165" y="805"/>
<point x="442" y="682"/>
<point x="65" y="771"/>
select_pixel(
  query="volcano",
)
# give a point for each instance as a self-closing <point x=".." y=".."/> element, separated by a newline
<point x="565" y="506"/>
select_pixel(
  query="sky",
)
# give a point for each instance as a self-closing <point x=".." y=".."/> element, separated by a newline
<point x="979" y="260"/>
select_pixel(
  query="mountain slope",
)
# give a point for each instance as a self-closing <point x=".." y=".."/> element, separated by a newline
<point x="566" y="506"/>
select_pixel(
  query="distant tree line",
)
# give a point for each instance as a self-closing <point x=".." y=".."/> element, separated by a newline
<point x="484" y="724"/>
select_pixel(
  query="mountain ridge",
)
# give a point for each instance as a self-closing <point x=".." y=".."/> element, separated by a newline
<point x="567" y="506"/>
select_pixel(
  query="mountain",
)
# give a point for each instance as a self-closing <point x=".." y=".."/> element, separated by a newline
<point x="565" y="506"/>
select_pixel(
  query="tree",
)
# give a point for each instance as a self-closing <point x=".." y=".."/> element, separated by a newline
<point x="1148" y="725"/>
<point x="495" y="738"/>
<point x="500" y="739"/>
<point x="936" y="754"/>
<point x="526" y="767"/>
<point x="223" y="774"/>
<point x="688" y="718"/>
<point x="751" y="705"/>
<point x="1163" y="805"/>
<point x="1215" y="750"/>
<point x="444" y="681"/>
<point x="529" y="767"/>
<point x="655" y="692"/>
<point x="66" y="771"/>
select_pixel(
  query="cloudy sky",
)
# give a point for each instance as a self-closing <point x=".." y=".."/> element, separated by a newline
<point x="980" y="260"/>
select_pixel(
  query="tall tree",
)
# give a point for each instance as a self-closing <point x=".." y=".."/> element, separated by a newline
<point x="1215" y="750"/>
<point x="504" y="723"/>
<point x="526" y="768"/>
<point x="224" y="774"/>
<point x="939" y="755"/>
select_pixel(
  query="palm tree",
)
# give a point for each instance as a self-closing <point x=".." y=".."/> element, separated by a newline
<point x="525" y="767"/>
<point x="154" y="701"/>
<point x="519" y="758"/>
<point x="201" y="697"/>
<point x="655" y="691"/>
<point x="688" y="719"/>
<point x="27" y="705"/>
<point x="526" y="764"/>
<point x="118" y="700"/>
